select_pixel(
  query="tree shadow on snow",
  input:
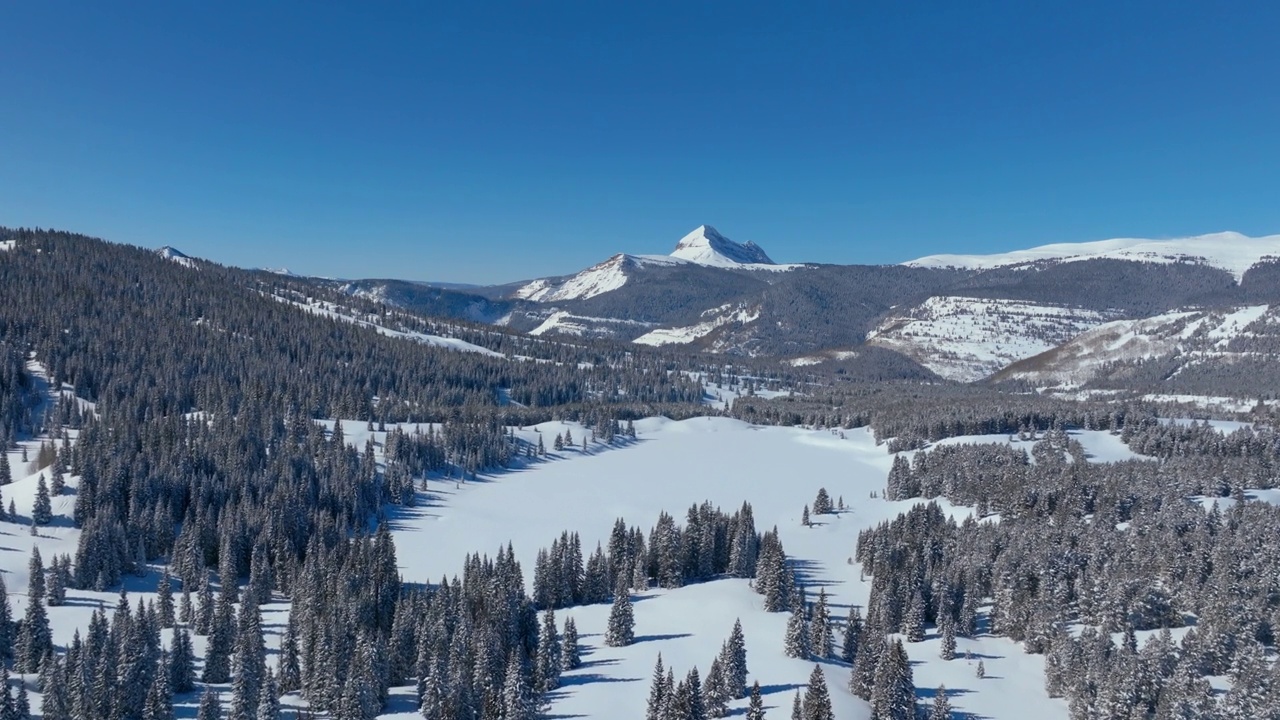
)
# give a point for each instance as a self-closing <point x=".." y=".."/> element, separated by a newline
<point x="930" y="693"/>
<point x="596" y="663"/>
<point x="809" y="572"/>
<point x="568" y="681"/>
<point x="656" y="638"/>
<point x="782" y="688"/>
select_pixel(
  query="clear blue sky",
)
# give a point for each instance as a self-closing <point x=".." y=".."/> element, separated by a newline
<point x="485" y="141"/>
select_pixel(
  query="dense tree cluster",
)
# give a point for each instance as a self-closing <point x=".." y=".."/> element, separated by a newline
<point x="1116" y="547"/>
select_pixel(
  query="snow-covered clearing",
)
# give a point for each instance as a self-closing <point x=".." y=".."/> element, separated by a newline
<point x="671" y="466"/>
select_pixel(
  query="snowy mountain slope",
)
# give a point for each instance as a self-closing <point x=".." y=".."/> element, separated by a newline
<point x="1198" y="336"/>
<point x="967" y="339"/>
<point x="171" y="253"/>
<point x="706" y="246"/>
<point x="717" y="318"/>
<point x="563" y="322"/>
<point x="1229" y="251"/>
<point x="326" y="309"/>
<point x="595" y="280"/>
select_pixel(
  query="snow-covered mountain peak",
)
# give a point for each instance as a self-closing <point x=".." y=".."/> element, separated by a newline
<point x="1230" y="251"/>
<point x="171" y="253"/>
<point x="706" y="246"/>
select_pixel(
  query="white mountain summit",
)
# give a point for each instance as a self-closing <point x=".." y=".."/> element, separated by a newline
<point x="705" y="246"/>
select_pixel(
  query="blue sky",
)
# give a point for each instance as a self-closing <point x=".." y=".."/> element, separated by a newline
<point x="487" y="142"/>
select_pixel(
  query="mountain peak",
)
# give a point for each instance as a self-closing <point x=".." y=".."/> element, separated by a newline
<point x="706" y="246"/>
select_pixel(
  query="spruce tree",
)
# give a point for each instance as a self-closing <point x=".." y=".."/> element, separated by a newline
<point x="42" y="510"/>
<point x="852" y="635"/>
<point x="797" y="708"/>
<point x="755" y="706"/>
<point x="893" y="695"/>
<point x="817" y="700"/>
<point x="947" y="646"/>
<point x="796" y="642"/>
<point x="164" y="599"/>
<point x="657" y="705"/>
<point x="733" y="656"/>
<point x="182" y="673"/>
<point x="159" y="703"/>
<point x="621" y="628"/>
<point x="269" y="699"/>
<point x="715" y="695"/>
<point x="941" y="708"/>
<point x="210" y="707"/>
<point x="820" y="643"/>
<point x="516" y="703"/>
<point x="570" y="653"/>
<point x="546" y="668"/>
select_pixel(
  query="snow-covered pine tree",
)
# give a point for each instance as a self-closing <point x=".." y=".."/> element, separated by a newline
<point x="546" y="663"/>
<point x="715" y="695"/>
<point x="42" y="510"/>
<point x="570" y="653"/>
<point x="893" y="695"/>
<point x="796" y="642"/>
<point x="941" y="708"/>
<point x="817" y="699"/>
<point x="182" y="673"/>
<point x="655" y="709"/>
<point x="516" y="703"/>
<point x="159" y="703"/>
<point x="733" y="657"/>
<point x="164" y="599"/>
<point x="822" y="503"/>
<point x="621" y="628"/>
<point x="820" y="642"/>
<point x="797" y="707"/>
<point x="947" y="646"/>
<point x="755" y="706"/>
<point x="210" y="708"/>
<point x="851" y="636"/>
<point x="269" y="699"/>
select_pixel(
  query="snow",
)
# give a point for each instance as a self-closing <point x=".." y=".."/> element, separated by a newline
<point x="671" y="466"/>
<point x="1100" y="446"/>
<point x="566" y="323"/>
<point x="690" y="333"/>
<point x="170" y="253"/>
<point x="1229" y="251"/>
<point x="595" y="280"/>
<point x="7" y="244"/>
<point x="330" y="310"/>
<point x="706" y="246"/>
<point x="967" y="339"/>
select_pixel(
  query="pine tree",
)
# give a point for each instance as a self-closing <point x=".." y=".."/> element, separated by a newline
<point x="222" y="640"/>
<point x="715" y="696"/>
<point x="42" y="510"/>
<point x="6" y="472"/>
<point x="914" y="620"/>
<point x="546" y="668"/>
<point x="164" y="599"/>
<point x="852" y="636"/>
<point x="210" y="708"/>
<point x="185" y="612"/>
<point x="804" y="517"/>
<point x="182" y="673"/>
<point x="159" y="704"/>
<point x="621" y="629"/>
<point x="947" y="647"/>
<point x="269" y="699"/>
<point x="516" y="703"/>
<point x="56" y="701"/>
<point x="733" y="657"/>
<point x="817" y="700"/>
<point x="6" y="623"/>
<point x="797" y="708"/>
<point x="941" y="709"/>
<point x="656" y="707"/>
<point x="755" y="706"/>
<point x="981" y="671"/>
<point x="822" y="503"/>
<point x="796" y="643"/>
<point x="820" y="643"/>
<point x="290" y="669"/>
<point x="570" y="653"/>
<point x="696" y="709"/>
<point x="893" y="695"/>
